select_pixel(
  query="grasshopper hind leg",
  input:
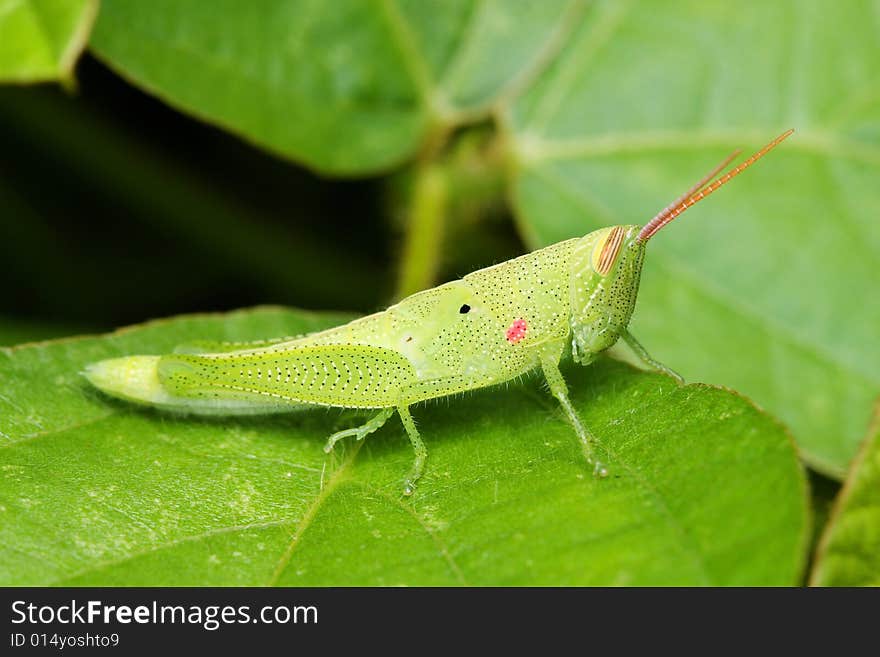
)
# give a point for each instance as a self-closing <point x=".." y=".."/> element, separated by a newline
<point x="362" y="431"/>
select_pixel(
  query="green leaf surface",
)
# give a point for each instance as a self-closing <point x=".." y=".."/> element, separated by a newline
<point x="765" y="287"/>
<point x="348" y="87"/>
<point x="704" y="487"/>
<point x="849" y="553"/>
<point x="41" y="39"/>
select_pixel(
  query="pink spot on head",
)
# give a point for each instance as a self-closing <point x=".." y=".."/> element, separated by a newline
<point x="517" y="331"/>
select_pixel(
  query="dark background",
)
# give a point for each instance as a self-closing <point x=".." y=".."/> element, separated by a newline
<point x="115" y="208"/>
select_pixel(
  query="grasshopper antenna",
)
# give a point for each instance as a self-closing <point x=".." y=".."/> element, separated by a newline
<point x="700" y="191"/>
<point x="693" y="190"/>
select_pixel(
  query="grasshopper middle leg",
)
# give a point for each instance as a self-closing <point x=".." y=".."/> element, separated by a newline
<point x="559" y="390"/>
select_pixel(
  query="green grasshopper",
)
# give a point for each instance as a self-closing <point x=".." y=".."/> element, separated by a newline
<point x="489" y="327"/>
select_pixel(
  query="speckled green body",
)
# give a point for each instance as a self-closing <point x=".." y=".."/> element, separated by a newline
<point x="489" y="327"/>
<point x="424" y="347"/>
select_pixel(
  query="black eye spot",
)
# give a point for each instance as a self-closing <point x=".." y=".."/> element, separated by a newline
<point x="464" y="309"/>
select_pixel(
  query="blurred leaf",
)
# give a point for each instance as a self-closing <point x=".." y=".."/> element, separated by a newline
<point x="41" y="39"/>
<point x="849" y="553"/>
<point x="765" y="287"/>
<point x="347" y="87"/>
<point x="704" y="488"/>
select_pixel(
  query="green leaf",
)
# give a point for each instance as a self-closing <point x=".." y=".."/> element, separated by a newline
<point x="349" y="87"/>
<point x="704" y="487"/>
<point x="41" y="39"/>
<point x="849" y="552"/>
<point x="765" y="287"/>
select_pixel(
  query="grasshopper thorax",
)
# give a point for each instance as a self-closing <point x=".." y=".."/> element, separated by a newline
<point x="605" y="271"/>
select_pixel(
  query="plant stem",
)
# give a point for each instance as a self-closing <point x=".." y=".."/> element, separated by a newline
<point x="425" y="224"/>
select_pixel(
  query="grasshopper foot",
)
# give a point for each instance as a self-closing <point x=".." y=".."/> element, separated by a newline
<point x="409" y="484"/>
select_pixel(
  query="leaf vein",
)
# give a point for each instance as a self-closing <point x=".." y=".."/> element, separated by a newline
<point x="100" y="565"/>
<point x="338" y="476"/>
<point x="440" y="544"/>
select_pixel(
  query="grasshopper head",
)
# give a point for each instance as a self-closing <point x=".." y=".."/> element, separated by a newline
<point x="604" y="285"/>
<point x="607" y="265"/>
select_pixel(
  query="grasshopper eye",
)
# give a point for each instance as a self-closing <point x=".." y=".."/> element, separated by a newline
<point x="605" y="252"/>
<point x="464" y="309"/>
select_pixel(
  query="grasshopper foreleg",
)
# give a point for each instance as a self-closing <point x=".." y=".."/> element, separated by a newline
<point x="643" y="355"/>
